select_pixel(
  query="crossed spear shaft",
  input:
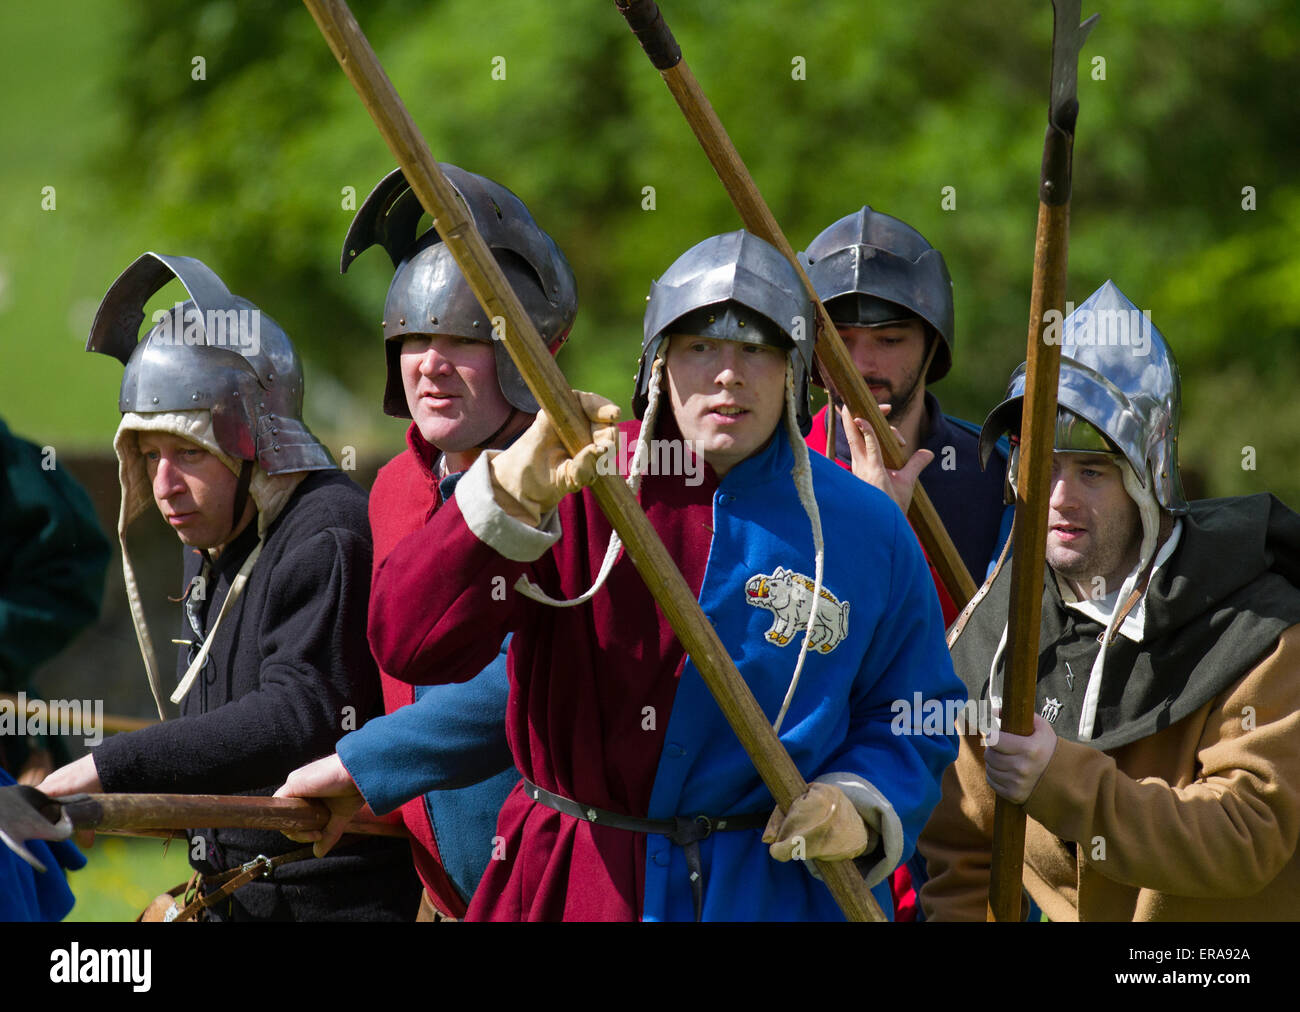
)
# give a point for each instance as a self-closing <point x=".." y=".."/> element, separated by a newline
<point x="834" y="363"/>
<point x="557" y="399"/>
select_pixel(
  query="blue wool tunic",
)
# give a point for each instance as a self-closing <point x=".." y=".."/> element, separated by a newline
<point x="884" y="641"/>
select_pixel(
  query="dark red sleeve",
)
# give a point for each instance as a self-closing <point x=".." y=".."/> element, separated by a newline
<point x="441" y="586"/>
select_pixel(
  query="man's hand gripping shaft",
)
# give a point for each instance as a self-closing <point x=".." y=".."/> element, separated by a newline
<point x="530" y="477"/>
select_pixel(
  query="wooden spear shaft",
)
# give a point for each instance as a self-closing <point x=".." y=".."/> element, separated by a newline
<point x="151" y="812"/>
<point x="1028" y="554"/>
<point x="837" y="369"/>
<point x="557" y="399"/>
<point x="1037" y="442"/>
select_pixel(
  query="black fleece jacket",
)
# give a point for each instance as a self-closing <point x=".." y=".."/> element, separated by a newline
<point x="288" y="674"/>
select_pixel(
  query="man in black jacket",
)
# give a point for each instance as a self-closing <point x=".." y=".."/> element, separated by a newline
<point x="273" y="663"/>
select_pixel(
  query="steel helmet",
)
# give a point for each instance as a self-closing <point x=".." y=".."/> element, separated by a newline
<point x="429" y="294"/>
<point x="1120" y="378"/>
<point x="735" y="287"/>
<point x="216" y="351"/>
<point x="869" y="269"/>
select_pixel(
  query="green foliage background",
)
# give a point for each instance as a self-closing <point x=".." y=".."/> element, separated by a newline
<point x="246" y="169"/>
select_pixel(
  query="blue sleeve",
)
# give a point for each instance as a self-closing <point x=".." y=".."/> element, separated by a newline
<point x="908" y="655"/>
<point x="29" y="895"/>
<point x="452" y="736"/>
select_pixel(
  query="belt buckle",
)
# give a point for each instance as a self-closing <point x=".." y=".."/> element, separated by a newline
<point x="707" y="823"/>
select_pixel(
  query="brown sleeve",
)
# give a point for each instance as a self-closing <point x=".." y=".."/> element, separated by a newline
<point x="1227" y="832"/>
<point x="957" y="841"/>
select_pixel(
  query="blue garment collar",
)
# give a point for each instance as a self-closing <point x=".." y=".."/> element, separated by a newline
<point x="773" y="462"/>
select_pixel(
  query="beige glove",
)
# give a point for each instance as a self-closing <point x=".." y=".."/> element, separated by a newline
<point x="530" y="477"/>
<point x="824" y="821"/>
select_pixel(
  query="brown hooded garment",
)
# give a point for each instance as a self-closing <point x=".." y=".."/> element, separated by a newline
<point x="1185" y="804"/>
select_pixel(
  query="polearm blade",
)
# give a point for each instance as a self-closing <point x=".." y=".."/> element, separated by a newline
<point x="1037" y="436"/>
<point x="27" y="814"/>
<point x="647" y="23"/>
<point x="557" y="399"/>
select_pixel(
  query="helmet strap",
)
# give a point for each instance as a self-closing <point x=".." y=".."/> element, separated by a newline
<point x="487" y="443"/>
<point x="241" y="494"/>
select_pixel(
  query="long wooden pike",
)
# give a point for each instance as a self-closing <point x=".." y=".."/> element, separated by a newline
<point x="553" y="393"/>
<point x="837" y="370"/>
<point x="150" y="814"/>
<point x="1037" y="438"/>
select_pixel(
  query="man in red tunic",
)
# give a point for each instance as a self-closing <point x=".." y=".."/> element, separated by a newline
<point x="440" y="752"/>
<point x="638" y="802"/>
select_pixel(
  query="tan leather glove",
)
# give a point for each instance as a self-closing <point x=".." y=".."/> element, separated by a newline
<point x="826" y="822"/>
<point x="530" y="477"/>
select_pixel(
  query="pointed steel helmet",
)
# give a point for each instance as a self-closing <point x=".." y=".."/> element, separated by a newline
<point x="736" y="287"/>
<point x="429" y="294"/>
<point x="215" y="351"/>
<point x="1119" y="375"/>
<point x="869" y="269"/>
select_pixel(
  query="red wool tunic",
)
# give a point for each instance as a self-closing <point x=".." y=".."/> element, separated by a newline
<point x="442" y="584"/>
<point x="405" y="495"/>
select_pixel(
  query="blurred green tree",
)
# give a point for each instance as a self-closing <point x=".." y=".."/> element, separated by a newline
<point x="1182" y="109"/>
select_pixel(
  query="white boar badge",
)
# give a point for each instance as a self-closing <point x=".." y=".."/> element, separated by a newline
<point x="788" y="595"/>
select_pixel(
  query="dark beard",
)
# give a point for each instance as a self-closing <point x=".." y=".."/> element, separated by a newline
<point x="842" y="451"/>
<point x="901" y="404"/>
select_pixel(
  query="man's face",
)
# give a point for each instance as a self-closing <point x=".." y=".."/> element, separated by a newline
<point x="452" y="390"/>
<point x="1094" y="528"/>
<point x="727" y="397"/>
<point x="889" y="359"/>
<point x="194" y="490"/>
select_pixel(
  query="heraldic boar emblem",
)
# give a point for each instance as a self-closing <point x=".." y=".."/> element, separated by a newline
<point x="788" y="595"/>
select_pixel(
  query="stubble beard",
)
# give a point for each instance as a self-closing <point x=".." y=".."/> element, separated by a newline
<point x="900" y="406"/>
<point x="1105" y="554"/>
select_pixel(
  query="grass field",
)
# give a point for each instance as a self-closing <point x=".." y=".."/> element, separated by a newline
<point x="122" y="875"/>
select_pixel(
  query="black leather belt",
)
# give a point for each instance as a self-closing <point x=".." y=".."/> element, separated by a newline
<point x="681" y="831"/>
